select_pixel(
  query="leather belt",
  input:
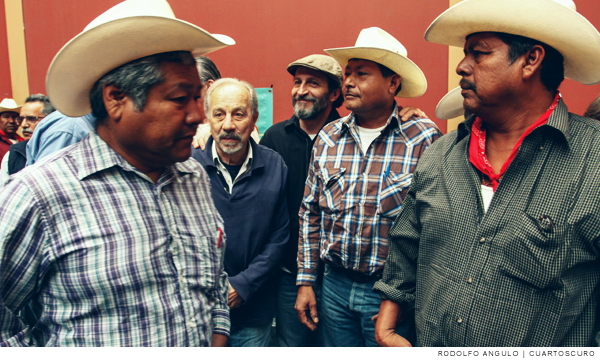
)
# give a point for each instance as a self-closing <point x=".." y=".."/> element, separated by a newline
<point x="356" y="276"/>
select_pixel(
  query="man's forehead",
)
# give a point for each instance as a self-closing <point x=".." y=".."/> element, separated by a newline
<point x="7" y="113"/>
<point x="481" y="39"/>
<point x="360" y="63"/>
<point x="228" y="93"/>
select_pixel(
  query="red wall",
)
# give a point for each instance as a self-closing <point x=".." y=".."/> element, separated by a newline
<point x="272" y="33"/>
<point x="5" y="83"/>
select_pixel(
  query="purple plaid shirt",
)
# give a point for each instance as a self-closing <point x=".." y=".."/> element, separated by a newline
<point x="107" y="257"/>
<point x="351" y="198"/>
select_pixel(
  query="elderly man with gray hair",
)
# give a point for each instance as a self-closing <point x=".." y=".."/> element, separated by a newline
<point x="248" y="188"/>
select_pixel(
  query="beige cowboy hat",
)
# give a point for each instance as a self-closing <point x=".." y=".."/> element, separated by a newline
<point x="323" y="63"/>
<point x="553" y="22"/>
<point x="378" y="46"/>
<point x="130" y="30"/>
<point x="451" y="105"/>
<point x="9" y="105"/>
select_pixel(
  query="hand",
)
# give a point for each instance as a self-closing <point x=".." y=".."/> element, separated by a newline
<point x="201" y="137"/>
<point x="235" y="300"/>
<point x="407" y="112"/>
<point x="219" y="340"/>
<point x="306" y="300"/>
<point x="385" y="325"/>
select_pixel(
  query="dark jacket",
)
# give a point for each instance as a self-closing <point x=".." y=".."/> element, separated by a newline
<point x="17" y="158"/>
<point x="257" y="229"/>
<point x="295" y="146"/>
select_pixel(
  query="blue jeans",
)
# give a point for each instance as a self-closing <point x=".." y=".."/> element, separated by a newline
<point x="346" y="311"/>
<point x="290" y="331"/>
<point x="249" y="336"/>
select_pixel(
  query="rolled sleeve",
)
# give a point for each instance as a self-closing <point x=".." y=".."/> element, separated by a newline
<point x="220" y="312"/>
<point x="310" y="228"/>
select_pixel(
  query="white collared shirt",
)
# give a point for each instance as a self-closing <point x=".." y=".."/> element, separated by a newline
<point x="245" y="166"/>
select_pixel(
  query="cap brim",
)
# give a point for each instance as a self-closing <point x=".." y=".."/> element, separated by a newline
<point x="93" y="53"/>
<point x="544" y="20"/>
<point x="414" y="83"/>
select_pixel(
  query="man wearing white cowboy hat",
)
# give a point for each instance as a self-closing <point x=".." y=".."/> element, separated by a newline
<point x="115" y="240"/>
<point x="359" y="175"/>
<point x="498" y="240"/>
<point x="9" y="112"/>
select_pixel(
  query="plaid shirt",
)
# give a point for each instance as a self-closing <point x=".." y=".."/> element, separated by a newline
<point x="351" y="198"/>
<point x="524" y="273"/>
<point x="111" y="258"/>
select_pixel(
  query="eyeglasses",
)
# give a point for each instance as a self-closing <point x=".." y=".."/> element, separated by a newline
<point x="29" y="119"/>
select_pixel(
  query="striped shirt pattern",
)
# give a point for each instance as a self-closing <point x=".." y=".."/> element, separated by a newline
<point x="111" y="258"/>
<point x="524" y="273"/>
<point x="352" y="198"/>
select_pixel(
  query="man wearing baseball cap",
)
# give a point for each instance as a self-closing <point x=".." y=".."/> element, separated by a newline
<point x="115" y="240"/>
<point x="361" y="167"/>
<point x="498" y="240"/>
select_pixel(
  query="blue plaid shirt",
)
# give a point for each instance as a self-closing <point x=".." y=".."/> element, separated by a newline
<point x="352" y="198"/>
<point x="107" y="257"/>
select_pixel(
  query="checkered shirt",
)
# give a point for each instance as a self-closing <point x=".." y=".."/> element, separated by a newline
<point x="351" y="198"/>
<point x="109" y="257"/>
<point x="524" y="273"/>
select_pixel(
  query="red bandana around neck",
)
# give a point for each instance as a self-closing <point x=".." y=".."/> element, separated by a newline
<point x="477" y="145"/>
<point x="17" y="137"/>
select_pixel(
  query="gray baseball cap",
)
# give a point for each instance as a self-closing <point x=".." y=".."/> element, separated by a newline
<point x="323" y="63"/>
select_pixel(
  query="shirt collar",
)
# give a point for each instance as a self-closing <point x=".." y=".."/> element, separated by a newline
<point x="95" y="156"/>
<point x="217" y="161"/>
<point x="559" y="120"/>
<point x="350" y="121"/>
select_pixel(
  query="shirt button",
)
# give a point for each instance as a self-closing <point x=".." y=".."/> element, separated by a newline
<point x="459" y="320"/>
<point x="470" y="280"/>
<point x="482" y="240"/>
<point x="541" y="148"/>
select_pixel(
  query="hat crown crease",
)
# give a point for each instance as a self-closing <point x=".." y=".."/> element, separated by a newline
<point x="379" y="38"/>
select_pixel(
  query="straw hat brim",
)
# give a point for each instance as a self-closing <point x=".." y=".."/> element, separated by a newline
<point x="451" y="105"/>
<point x="94" y="52"/>
<point x="414" y="83"/>
<point x="544" y="20"/>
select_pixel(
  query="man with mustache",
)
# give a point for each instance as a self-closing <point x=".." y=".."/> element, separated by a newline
<point x="36" y="107"/>
<point x="115" y="241"/>
<point x="9" y="112"/>
<point x="249" y="190"/>
<point x="361" y="168"/>
<point x="498" y="240"/>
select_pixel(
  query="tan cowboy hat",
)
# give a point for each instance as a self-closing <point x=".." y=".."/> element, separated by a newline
<point x="451" y="105"/>
<point x="130" y="30"/>
<point x="553" y="22"/>
<point x="9" y="105"/>
<point x="325" y="64"/>
<point x="378" y="46"/>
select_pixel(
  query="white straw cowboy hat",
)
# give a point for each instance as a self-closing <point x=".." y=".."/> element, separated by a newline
<point x="9" y="105"/>
<point x="378" y="46"/>
<point x="553" y="22"/>
<point x="130" y="30"/>
<point x="451" y="105"/>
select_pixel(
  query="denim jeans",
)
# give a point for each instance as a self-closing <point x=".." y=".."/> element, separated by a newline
<point x="290" y="331"/>
<point x="250" y="336"/>
<point x="346" y="311"/>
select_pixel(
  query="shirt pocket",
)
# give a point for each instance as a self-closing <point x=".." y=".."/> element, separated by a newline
<point x="333" y="189"/>
<point x="393" y="191"/>
<point x="537" y="252"/>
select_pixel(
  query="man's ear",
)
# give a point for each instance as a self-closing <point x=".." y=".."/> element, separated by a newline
<point x="114" y="101"/>
<point x="533" y="61"/>
<point x="255" y="117"/>
<point x="395" y="81"/>
<point x="334" y="95"/>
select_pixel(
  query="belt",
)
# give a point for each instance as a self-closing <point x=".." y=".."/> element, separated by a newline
<point x="356" y="276"/>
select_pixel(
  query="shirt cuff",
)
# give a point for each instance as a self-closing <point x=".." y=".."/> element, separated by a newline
<point x="221" y="322"/>
<point x="386" y="292"/>
<point x="306" y="277"/>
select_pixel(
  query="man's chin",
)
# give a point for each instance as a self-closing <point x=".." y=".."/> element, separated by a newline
<point x="27" y="136"/>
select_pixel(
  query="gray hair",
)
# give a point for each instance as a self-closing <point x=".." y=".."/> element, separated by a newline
<point x="232" y="81"/>
<point x="135" y="79"/>
<point x="48" y="107"/>
<point x="207" y="69"/>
